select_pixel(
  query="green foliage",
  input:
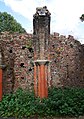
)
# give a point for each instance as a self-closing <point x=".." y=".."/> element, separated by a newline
<point x="8" y="23"/>
<point x="61" y="102"/>
<point x="67" y="101"/>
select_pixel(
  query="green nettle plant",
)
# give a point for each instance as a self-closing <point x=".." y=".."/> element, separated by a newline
<point x="60" y="102"/>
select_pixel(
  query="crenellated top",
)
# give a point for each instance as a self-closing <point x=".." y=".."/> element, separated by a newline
<point x="7" y="36"/>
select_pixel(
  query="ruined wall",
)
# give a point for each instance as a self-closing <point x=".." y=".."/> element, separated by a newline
<point x="67" y="61"/>
<point x="17" y="56"/>
<point x="66" y="54"/>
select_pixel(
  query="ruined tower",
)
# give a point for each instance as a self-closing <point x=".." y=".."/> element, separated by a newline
<point x="41" y="41"/>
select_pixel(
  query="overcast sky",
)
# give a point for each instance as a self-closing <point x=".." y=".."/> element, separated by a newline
<point x="64" y="14"/>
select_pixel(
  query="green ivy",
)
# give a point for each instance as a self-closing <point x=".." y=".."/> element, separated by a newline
<point x="60" y="102"/>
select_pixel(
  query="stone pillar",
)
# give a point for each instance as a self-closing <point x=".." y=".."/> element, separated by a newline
<point x="41" y="41"/>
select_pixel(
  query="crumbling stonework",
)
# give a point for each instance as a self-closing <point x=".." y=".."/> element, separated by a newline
<point x="67" y="61"/>
<point x="41" y="34"/>
<point x="66" y="54"/>
<point x="17" y="54"/>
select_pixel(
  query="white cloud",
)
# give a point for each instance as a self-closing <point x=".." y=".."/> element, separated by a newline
<point x="64" y="13"/>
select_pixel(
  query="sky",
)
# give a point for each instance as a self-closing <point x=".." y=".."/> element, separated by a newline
<point x="64" y="15"/>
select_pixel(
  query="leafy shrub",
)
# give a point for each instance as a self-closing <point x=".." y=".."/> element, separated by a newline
<point x="67" y="101"/>
<point x="60" y="102"/>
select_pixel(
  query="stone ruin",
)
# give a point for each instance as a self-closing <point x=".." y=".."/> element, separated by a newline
<point x="17" y="56"/>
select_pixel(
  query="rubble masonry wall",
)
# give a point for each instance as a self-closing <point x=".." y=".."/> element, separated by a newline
<point x="66" y="55"/>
